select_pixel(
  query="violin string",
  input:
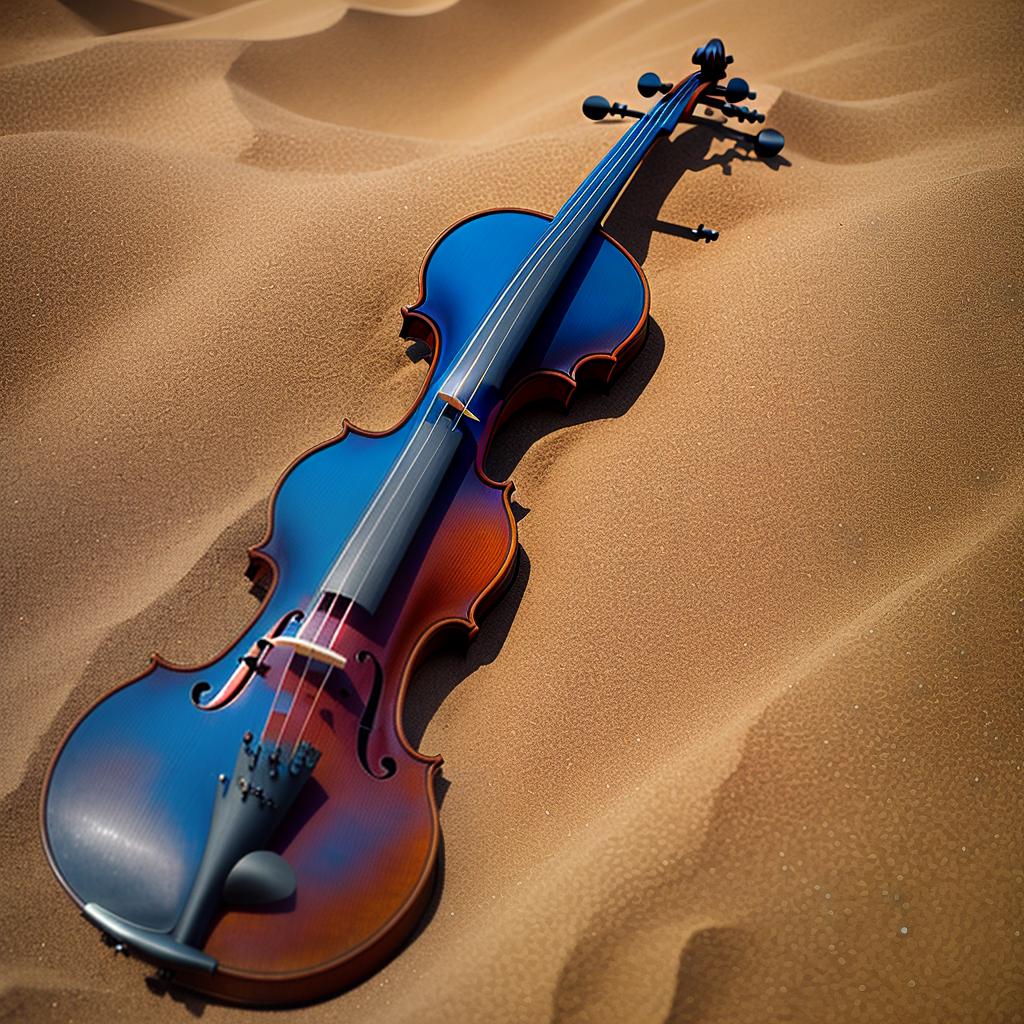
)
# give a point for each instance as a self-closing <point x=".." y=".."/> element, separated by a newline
<point x="387" y="504"/>
<point x="330" y="669"/>
<point x="297" y="691"/>
<point x="330" y="610"/>
<point x="548" y="243"/>
<point x="348" y="610"/>
<point x="273" y="703"/>
<point x="358" y="589"/>
<point x="381" y="490"/>
<point x="587" y="191"/>
<point x="284" y="675"/>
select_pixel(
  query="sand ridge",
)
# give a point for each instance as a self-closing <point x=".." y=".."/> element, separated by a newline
<point x="743" y="742"/>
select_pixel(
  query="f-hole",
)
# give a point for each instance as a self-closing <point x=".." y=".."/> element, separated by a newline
<point x="249" y="666"/>
<point x="387" y="764"/>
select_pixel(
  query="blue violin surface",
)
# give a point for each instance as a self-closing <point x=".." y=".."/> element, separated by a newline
<point x="259" y="827"/>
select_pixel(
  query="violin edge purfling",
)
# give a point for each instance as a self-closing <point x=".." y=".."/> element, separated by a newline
<point x="296" y="864"/>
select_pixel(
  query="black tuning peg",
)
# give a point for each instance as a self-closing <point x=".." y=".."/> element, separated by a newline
<point x="737" y="91"/>
<point x="742" y="113"/>
<point x="597" y="108"/>
<point x="769" y="143"/>
<point x="650" y="83"/>
<point x="703" y="234"/>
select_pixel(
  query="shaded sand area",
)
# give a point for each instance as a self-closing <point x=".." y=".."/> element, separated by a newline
<point x="744" y="741"/>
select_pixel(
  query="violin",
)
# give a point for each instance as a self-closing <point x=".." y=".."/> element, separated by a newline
<point x="259" y="828"/>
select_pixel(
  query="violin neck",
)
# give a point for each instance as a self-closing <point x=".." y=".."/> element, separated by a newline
<point x="489" y="354"/>
<point x="584" y="210"/>
<point x="592" y="200"/>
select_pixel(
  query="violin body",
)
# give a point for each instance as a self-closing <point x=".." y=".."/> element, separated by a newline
<point x="128" y="802"/>
<point x="259" y="827"/>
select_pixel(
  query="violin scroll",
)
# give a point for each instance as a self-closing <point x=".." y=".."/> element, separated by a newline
<point x="703" y="87"/>
<point x="712" y="60"/>
<point x="727" y="98"/>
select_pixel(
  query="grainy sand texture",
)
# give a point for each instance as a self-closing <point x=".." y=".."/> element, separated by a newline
<point x="744" y="742"/>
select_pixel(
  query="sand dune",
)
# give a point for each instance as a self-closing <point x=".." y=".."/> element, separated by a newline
<point x="743" y="743"/>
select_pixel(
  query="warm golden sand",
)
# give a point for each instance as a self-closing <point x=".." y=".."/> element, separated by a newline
<point x="744" y="743"/>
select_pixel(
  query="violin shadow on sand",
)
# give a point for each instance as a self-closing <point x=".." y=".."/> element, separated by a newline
<point x="436" y="678"/>
<point x="631" y="222"/>
<point x="444" y="671"/>
<point x="634" y="218"/>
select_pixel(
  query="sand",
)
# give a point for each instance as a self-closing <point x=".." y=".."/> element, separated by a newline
<point x="744" y="742"/>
